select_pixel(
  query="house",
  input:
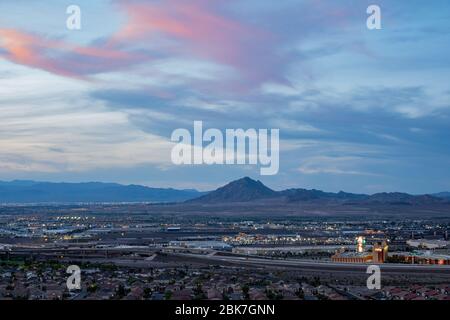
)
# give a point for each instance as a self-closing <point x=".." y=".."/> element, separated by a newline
<point x="184" y="294"/>
<point x="214" y="294"/>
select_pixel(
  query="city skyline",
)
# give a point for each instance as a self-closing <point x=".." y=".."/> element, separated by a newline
<point x="358" y="110"/>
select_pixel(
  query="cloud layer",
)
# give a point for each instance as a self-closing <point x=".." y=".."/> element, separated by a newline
<point x="357" y="110"/>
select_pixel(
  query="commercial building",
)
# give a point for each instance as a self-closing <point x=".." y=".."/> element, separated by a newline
<point x="422" y="257"/>
<point x="213" y="245"/>
<point x="293" y="250"/>
<point x="352" y="257"/>
<point x="428" y="244"/>
<point x="378" y="254"/>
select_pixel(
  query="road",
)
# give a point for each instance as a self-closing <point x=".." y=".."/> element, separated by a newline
<point x="105" y="255"/>
<point x="318" y="266"/>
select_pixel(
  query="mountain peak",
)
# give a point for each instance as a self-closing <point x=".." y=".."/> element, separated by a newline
<point x="241" y="190"/>
<point x="247" y="182"/>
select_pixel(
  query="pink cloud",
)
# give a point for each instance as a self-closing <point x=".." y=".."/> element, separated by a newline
<point x="57" y="56"/>
<point x="24" y="48"/>
<point x="198" y="28"/>
<point x="195" y="29"/>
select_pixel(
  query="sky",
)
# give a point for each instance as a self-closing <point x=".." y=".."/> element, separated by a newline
<point x="358" y="110"/>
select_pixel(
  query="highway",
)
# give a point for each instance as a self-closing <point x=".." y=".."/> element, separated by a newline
<point x="317" y="266"/>
<point x="111" y="254"/>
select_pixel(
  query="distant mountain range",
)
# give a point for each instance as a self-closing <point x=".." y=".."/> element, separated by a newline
<point x="245" y="190"/>
<point x="445" y="195"/>
<point x="46" y="192"/>
<point x="248" y="190"/>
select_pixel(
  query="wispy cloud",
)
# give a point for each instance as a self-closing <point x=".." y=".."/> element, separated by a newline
<point x="180" y="29"/>
<point x="59" y="57"/>
<point x="355" y="107"/>
<point x="333" y="165"/>
<point x="49" y="125"/>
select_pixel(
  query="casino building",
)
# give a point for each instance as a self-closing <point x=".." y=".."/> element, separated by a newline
<point x="378" y="254"/>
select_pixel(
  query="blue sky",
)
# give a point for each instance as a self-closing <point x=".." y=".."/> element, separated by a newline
<point x="358" y="110"/>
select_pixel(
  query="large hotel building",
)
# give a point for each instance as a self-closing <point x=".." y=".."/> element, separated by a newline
<point x="378" y="254"/>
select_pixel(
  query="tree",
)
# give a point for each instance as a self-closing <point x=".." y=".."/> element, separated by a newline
<point x="168" y="295"/>
<point x="245" y="290"/>
<point x="92" y="288"/>
<point x="121" y="292"/>
<point x="300" y="293"/>
<point x="147" y="293"/>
